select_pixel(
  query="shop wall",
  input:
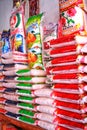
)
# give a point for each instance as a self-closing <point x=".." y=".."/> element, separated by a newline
<point x="5" y="12"/>
<point x="50" y="7"/>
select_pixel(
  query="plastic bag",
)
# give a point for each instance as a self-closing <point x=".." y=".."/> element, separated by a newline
<point x="33" y="40"/>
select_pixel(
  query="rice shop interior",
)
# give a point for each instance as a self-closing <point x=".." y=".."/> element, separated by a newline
<point x="43" y="64"/>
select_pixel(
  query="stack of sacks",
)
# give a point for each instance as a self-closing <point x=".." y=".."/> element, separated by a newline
<point x="31" y="78"/>
<point x="72" y="21"/>
<point x="45" y="118"/>
<point x="82" y="60"/>
<point x="46" y="115"/>
<point x="29" y="82"/>
<point x="8" y="70"/>
<point x="63" y="70"/>
<point x="2" y="100"/>
<point x="14" y="58"/>
<point x="6" y="58"/>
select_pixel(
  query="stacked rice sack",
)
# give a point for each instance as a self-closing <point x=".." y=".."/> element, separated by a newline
<point x="7" y="59"/>
<point x="13" y="61"/>
<point x="73" y="19"/>
<point x="20" y="105"/>
<point x="64" y="70"/>
<point x="62" y="76"/>
<point x="2" y="88"/>
<point x="9" y="74"/>
<point x="46" y="117"/>
<point x="32" y="80"/>
<point x="29" y="79"/>
<point x="81" y="59"/>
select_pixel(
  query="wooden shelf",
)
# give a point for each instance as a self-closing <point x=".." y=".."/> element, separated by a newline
<point x="7" y="120"/>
